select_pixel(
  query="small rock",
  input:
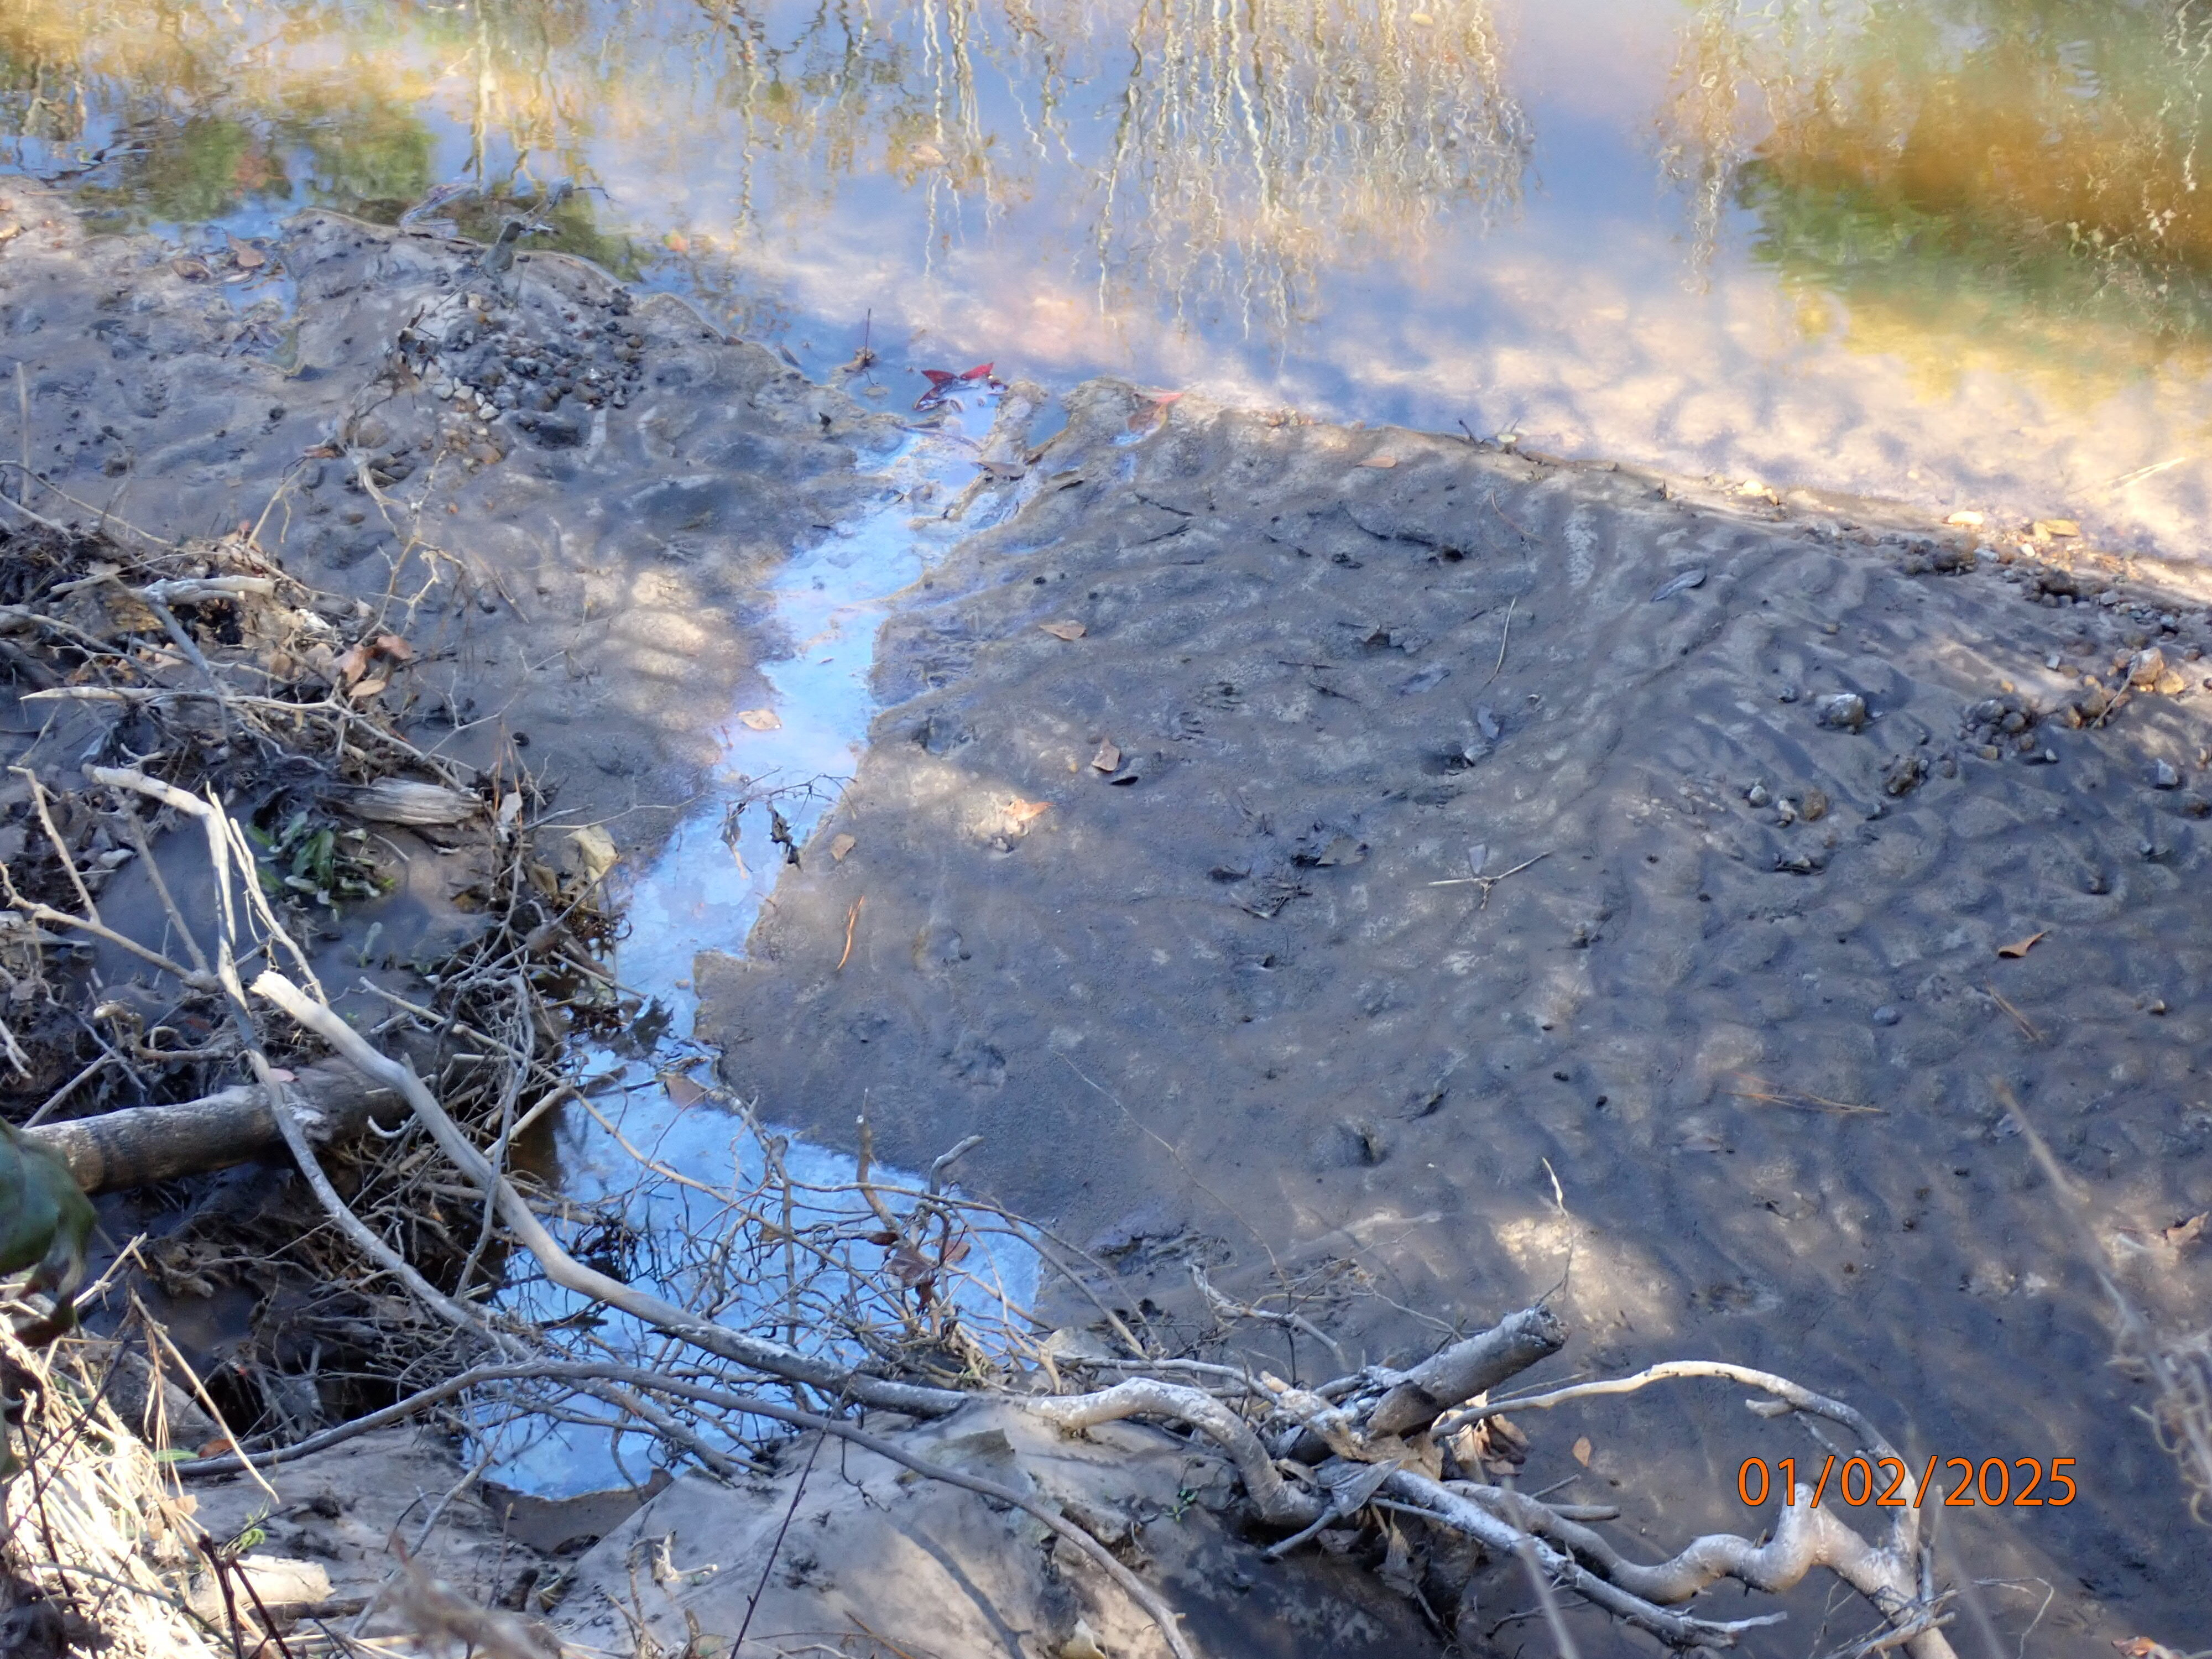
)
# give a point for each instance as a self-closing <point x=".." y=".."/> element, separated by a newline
<point x="1886" y="1014"/>
<point x="2147" y="667"/>
<point x="1814" y="806"/>
<point x="1902" y="774"/>
<point x="1758" y="795"/>
<point x="1787" y="694"/>
<point x="1682" y="583"/>
<point x="1846" y="711"/>
<point x="2163" y="776"/>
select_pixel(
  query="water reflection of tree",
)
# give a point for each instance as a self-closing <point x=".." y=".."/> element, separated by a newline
<point x="2023" y="174"/>
<point x="1214" y="151"/>
<point x="1240" y="147"/>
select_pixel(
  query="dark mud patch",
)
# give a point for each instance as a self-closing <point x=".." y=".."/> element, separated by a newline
<point x="1182" y="913"/>
<point x="568" y="498"/>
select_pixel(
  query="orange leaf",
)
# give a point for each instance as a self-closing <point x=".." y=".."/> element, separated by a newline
<point x="354" y="664"/>
<point x="1381" y="462"/>
<point x="759" y="719"/>
<point x="682" y="1090"/>
<point x="2020" y="947"/>
<point x="1583" y="1450"/>
<point x="1064" y="630"/>
<point x="2187" y="1232"/>
<point x="1022" y="813"/>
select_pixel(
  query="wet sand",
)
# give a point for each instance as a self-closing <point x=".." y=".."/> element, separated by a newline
<point x="1176" y="912"/>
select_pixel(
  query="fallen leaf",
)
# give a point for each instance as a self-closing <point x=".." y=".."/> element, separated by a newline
<point x="1020" y="813"/>
<point x="928" y="155"/>
<point x="682" y="1090"/>
<point x="1064" y="630"/>
<point x="249" y="256"/>
<point x="283" y="1076"/>
<point x="1964" y="521"/>
<point x="1582" y="1449"/>
<point x="191" y="269"/>
<point x="394" y="648"/>
<point x="2187" y="1232"/>
<point x="839" y="847"/>
<point x="1107" y="759"/>
<point x="981" y="371"/>
<point x="1381" y="463"/>
<point x="362" y="691"/>
<point x="2057" y="527"/>
<point x="759" y="719"/>
<point x="218" y="1446"/>
<point x="940" y="377"/>
<point x="2020" y="947"/>
<point x="677" y="242"/>
<point x="588" y="853"/>
<point x="2142" y="1647"/>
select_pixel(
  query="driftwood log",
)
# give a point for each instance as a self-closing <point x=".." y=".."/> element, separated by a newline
<point x="138" y="1144"/>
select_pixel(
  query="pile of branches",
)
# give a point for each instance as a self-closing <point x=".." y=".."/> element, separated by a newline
<point x="764" y="1304"/>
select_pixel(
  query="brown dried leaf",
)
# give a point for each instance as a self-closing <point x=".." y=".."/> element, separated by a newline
<point x="191" y="269"/>
<point x="354" y="664"/>
<point x="362" y="691"/>
<point x="1381" y="463"/>
<point x="249" y="256"/>
<point x="1965" y="520"/>
<point x="1064" y="630"/>
<point x="1022" y="813"/>
<point x="956" y="1252"/>
<point x="2057" y="527"/>
<point x="759" y="719"/>
<point x="2020" y="947"/>
<point x="1583" y="1450"/>
<point x="394" y="648"/>
<point x="841" y="846"/>
<point x="2186" y="1233"/>
<point x="682" y="1090"/>
<point x="1107" y="759"/>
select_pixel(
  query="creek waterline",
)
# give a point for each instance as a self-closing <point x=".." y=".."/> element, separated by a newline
<point x="703" y="892"/>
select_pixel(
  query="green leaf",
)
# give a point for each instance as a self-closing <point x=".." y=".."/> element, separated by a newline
<point x="44" y="1221"/>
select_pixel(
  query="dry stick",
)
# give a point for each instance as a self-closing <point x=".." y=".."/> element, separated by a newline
<point x="1504" y="636"/>
<point x="1487" y="883"/>
<point x="563" y="1269"/>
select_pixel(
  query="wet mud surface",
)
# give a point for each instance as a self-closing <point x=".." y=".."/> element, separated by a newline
<point x="1494" y="875"/>
<point x="566" y="497"/>
<point x="1178" y="910"/>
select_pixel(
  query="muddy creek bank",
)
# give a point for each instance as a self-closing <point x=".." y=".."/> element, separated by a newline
<point x="568" y="499"/>
<point x="1357" y="856"/>
<point x="1296" y="842"/>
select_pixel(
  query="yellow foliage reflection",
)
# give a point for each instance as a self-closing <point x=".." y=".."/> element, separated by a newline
<point x="2008" y="184"/>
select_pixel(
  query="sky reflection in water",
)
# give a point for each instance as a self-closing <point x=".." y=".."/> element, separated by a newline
<point x="1950" y="249"/>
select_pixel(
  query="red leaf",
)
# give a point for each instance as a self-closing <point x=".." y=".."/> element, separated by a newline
<point x="982" y="371"/>
<point x="940" y="376"/>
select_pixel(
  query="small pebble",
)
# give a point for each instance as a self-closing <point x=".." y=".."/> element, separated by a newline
<point x="1758" y="795"/>
<point x="1886" y="1015"/>
<point x="2163" y="776"/>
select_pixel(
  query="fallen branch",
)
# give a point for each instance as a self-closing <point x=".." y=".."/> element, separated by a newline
<point x="140" y="1145"/>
